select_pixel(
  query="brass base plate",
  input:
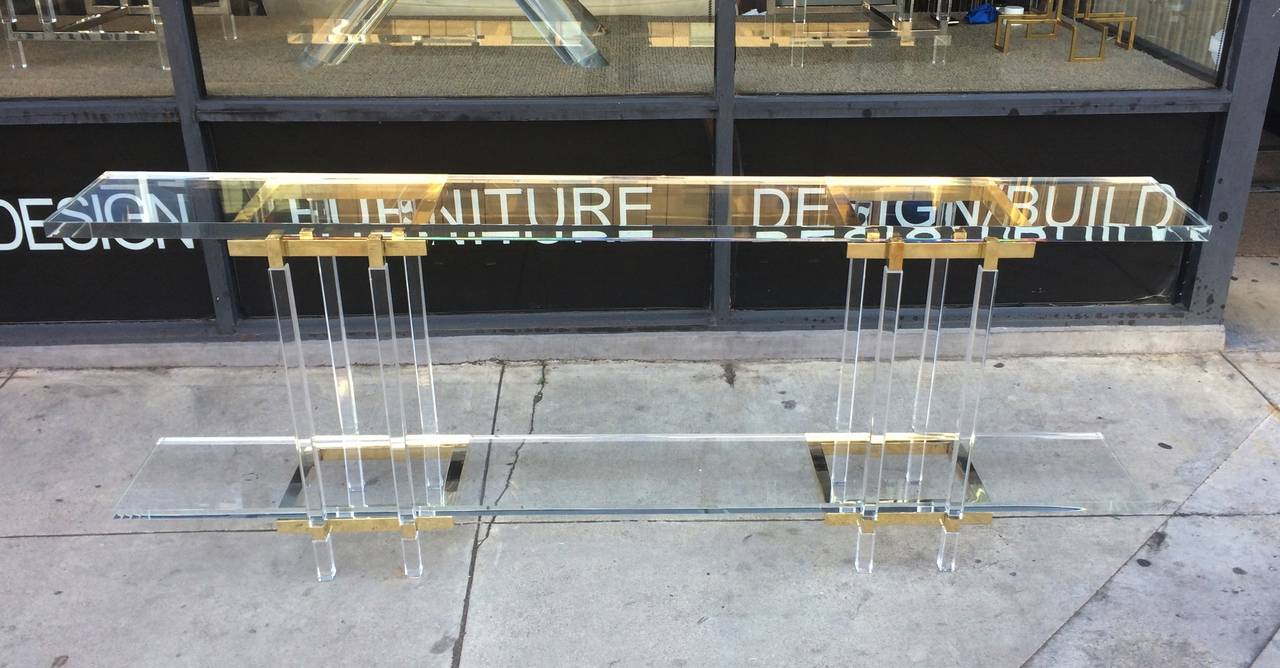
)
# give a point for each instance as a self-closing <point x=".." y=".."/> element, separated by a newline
<point x="906" y="519"/>
<point x="365" y="525"/>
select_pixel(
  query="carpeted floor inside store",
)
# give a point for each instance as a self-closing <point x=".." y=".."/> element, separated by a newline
<point x="262" y="63"/>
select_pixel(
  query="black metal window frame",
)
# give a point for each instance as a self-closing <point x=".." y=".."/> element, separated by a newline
<point x="1238" y="103"/>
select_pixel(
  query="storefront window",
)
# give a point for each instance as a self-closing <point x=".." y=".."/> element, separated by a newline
<point x="897" y="46"/>
<point x="65" y="48"/>
<point x="460" y="48"/>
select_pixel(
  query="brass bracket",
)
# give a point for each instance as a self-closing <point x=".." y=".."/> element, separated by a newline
<point x="422" y="444"/>
<point x="844" y="191"/>
<point x="989" y="251"/>
<point x="938" y="443"/>
<point x="377" y="247"/>
<point x="364" y="525"/>
<point x="450" y="450"/>
<point x="906" y="519"/>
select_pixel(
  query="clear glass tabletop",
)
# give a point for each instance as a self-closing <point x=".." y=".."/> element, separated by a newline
<point x="658" y="474"/>
<point x="442" y="207"/>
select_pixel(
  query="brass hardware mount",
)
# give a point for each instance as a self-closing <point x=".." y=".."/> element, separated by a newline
<point x="906" y="519"/>
<point x="895" y="250"/>
<point x="377" y="247"/>
<point x="365" y="525"/>
<point x="894" y="443"/>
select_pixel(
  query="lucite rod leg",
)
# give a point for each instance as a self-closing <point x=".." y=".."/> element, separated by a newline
<point x="425" y="417"/>
<point x="294" y="366"/>
<point x="229" y="31"/>
<point x="411" y="550"/>
<point x="343" y="378"/>
<point x="157" y="24"/>
<point x="940" y="45"/>
<point x="864" y="551"/>
<point x="948" y="545"/>
<point x="847" y="384"/>
<point x="17" y="56"/>
<point x="975" y="361"/>
<point x="926" y="373"/>
<point x="326" y="568"/>
<point x="882" y="383"/>
<point x="48" y="16"/>
<point x="394" y="402"/>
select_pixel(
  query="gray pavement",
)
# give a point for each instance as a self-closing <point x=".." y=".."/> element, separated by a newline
<point x="1187" y="576"/>
<point x="1253" y="307"/>
<point x="1270" y="657"/>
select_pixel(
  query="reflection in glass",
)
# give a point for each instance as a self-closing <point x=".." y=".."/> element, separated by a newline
<point x="72" y="49"/>
<point x="454" y="48"/>
<point x="852" y="46"/>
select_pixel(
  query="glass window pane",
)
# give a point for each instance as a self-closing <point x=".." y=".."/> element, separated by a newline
<point x="905" y="46"/>
<point x="94" y="48"/>
<point x="460" y="48"/>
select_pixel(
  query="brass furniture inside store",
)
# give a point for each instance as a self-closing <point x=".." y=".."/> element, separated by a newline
<point x="1102" y="22"/>
<point x="1050" y="16"/>
<point x="1085" y="14"/>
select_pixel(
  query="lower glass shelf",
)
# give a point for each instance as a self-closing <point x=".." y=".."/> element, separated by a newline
<point x="632" y="474"/>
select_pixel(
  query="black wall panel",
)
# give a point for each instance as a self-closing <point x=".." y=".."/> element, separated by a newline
<point x="1170" y="147"/>
<point x="43" y="280"/>
<point x="496" y="276"/>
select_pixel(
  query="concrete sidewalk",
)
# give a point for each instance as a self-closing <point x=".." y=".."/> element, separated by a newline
<point x="1195" y="585"/>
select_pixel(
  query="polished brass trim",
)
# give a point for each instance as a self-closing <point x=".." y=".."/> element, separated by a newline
<point x="989" y="250"/>
<point x="419" y="444"/>
<point x="273" y="246"/>
<point x="894" y="443"/>
<point x="364" y="525"/>
<point x="372" y="452"/>
<point x="895" y="253"/>
<point x="906" y="519"/>
<point x="376" y="251"/>
<point x="276" y="247"/>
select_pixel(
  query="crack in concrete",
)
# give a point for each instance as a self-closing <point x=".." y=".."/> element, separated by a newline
<point x="1158" y="533"/>
<point x="515" y="459"/>
<point x="1253" y="663"/>
<point x="1245" y="376"/>
<point x="456" y="653"/>
<point x="8" y="378"/>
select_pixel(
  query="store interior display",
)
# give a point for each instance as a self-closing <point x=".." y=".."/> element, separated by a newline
<point x="125" y="21"/>
<point x="341" y="48"/>
<point x="1085" y="14"/>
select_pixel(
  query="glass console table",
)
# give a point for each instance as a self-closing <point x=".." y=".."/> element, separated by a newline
<point x="901" y="443"/>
